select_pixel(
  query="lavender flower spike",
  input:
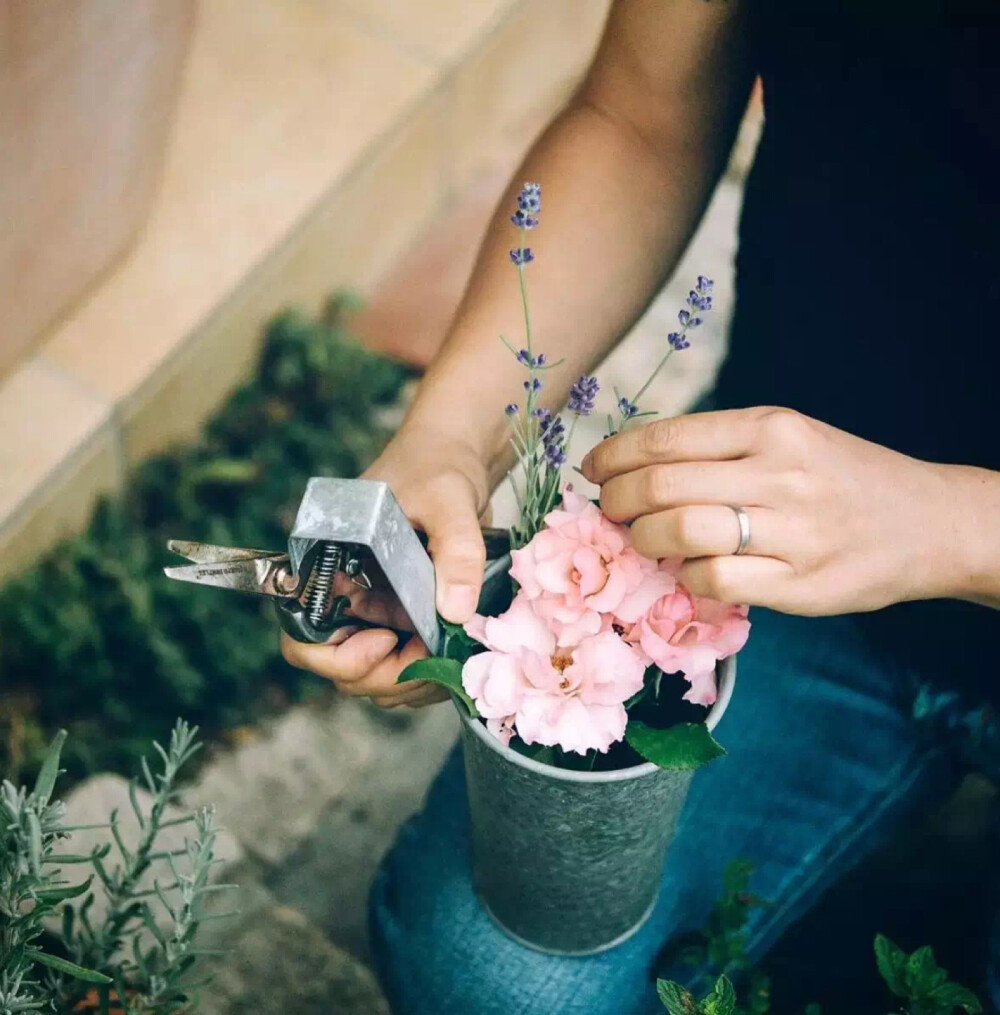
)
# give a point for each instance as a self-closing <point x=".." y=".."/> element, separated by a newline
<point x="582" y="395"/>
<point x="626" y="408"/>
<point x="521" y="255"/>
<point x="529" y="204"/>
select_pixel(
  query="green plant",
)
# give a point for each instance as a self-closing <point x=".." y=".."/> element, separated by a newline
<point x="96" y="640"/>
<point x="720" y="949"/>
<point x="138" y="958"/>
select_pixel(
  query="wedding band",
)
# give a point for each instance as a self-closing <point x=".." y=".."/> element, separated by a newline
<point x="744" y="519"/>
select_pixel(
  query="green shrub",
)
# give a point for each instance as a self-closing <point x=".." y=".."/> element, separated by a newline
<point x="96" y="639"/>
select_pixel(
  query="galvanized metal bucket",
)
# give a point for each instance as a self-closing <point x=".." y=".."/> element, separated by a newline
<point x="569" y="863"/>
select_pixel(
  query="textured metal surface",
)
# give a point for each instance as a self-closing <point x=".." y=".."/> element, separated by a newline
<point x="365" y="512"/>
<point x="570" y="862"/>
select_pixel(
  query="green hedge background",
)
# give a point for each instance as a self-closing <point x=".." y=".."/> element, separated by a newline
<point x="97" y="640"/>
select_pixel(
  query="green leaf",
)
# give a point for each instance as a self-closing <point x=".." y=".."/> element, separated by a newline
<point x="922" y="973"/>
<point x="46" y="781"/>
<point x="62" y="894"/>
<point x="446" y="672"/>
<point x="952" y="995"/>
<point x="675" y="998"/>
<point x="69" y="968"/>
<point x="457" y="643"/>
<point x="722" y="1000"/>
<point x="891" y="961"/>
<point x="683" y="747"/>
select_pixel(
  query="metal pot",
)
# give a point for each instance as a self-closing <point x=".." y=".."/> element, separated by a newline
<point x="569" y="863"/>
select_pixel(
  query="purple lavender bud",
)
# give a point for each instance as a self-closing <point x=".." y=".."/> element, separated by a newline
<point x="698" y="301"/>
<point x="533" y="385"/>
<point x="555" y="455"/>
<point x="511" y="409"/>
<point x="626" y="408"/>
<point x="704" y="285"/>
<point x="523" y="220"/>
<point x="694" y="322"/>
<point x="678" y="340"/>
<point x="524" y="357"/>
<point x="530" y="198"/>
<point x="540" y="359"/>
<point x="582" y="395"/>
<point x="521" y="255"/>
<point x="684" y="317"/>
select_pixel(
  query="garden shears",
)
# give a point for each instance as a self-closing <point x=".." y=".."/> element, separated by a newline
<point x="346" y="531"/>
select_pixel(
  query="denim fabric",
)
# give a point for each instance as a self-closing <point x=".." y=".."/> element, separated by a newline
<point x="825" y="758"/>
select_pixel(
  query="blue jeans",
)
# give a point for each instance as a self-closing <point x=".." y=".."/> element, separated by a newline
<point x="825" y="758"/>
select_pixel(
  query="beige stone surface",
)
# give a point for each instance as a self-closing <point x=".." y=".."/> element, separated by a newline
<point x="504" y="92"/>
<point x="278" y="101"/>
<point x="86" y="100"/>
<point x="436" y="29"/>
<point x="62" y="503"/>
<point x="57" y="455"/>
<point x="347" y="240"/>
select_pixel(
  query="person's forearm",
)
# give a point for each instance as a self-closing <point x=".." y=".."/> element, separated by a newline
<point x="969" y="534"/>
<point x="615" y="220"/>
<point x="618" y="209"/>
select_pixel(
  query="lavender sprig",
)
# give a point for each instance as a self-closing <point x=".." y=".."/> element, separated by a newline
<point x="700" y="301"/>
<point x="538" y="438"/>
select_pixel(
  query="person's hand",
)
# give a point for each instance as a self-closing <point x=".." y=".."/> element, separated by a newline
<point x="837" y="524"/>
<point x="441" y="485"/>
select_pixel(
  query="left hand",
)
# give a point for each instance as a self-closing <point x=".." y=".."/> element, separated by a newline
<point x="837" y="524"/>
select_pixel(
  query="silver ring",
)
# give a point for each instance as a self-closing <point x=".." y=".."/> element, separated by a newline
<point x="744" y="519"/>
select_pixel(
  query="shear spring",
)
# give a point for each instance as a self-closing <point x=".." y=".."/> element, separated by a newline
<point x="319" y="591"/>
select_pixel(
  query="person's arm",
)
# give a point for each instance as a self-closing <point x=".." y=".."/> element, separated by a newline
<point x="626" y="171"/>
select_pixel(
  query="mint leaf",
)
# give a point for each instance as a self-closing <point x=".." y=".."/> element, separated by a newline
<point x="722" y="1000"/>
<point x="683" y="747"/>
<point x="922" y="973"/>
<point x="446" y="672"/>
<point x="891" y="961"/>
<point x="952" y="995"/>
<point x="675" y="998"/>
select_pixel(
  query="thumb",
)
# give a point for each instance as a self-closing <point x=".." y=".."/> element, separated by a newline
<point x="455" y="542"/>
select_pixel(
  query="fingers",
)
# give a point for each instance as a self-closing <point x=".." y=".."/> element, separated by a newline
<point x="701" y="436"/>
<point x="365" y="665"/>
<point x="653" y="487"/>
<point x="759" y="581"/>
<point x="708" y="530"/>
<point x="347" y="661"/>
<point x="450" y="518"/>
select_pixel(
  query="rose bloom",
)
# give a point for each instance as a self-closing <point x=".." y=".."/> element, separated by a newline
<point x="550" y="695"/>
<point x="578" y="567"/>
<point x="681" y="632"/>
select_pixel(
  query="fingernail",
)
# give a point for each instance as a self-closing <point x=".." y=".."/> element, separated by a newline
<point x="385" y="643"/>
<point x="458" y="602"/>
<point x="340" y="636"/>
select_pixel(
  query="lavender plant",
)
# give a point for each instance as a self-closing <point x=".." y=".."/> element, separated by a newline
<point x="541" y="439"/>
<point x="139" y="958"/>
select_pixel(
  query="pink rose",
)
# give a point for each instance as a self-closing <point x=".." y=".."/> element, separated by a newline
<point x="577" y="701"/>
<point x="495" y="680"/>
<point x="578" y="567"/>
<point x="690" y="634"/>
<point x="525" y="683"/>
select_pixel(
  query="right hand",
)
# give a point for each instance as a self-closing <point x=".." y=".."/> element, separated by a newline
<point x="441" y="484"/>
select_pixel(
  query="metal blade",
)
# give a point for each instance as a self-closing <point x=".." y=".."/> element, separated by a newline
<point x="206" y="553"/>
<point x="263" y="576"/>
